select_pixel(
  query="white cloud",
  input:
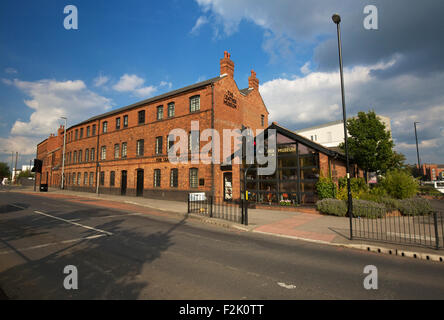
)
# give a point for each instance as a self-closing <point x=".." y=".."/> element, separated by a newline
<point x="135" y="85"/>
<point x="202" y="20"/>
<point x="305" y="69"/>
<point x="100" y="81"/>
<point x="50" y="100"/>
<point x="315" y="98"/>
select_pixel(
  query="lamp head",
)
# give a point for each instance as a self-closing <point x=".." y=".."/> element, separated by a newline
<point x="336" y="18"/>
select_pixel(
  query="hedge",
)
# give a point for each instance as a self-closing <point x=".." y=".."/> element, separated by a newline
<point x="361" y="208"/>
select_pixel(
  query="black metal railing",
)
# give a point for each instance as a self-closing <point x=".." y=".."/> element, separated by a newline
<point x="418" y="230"/>
<point x="218" y="207"/>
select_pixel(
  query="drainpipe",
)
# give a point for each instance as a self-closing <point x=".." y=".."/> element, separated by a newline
<point x="97" y="158"/>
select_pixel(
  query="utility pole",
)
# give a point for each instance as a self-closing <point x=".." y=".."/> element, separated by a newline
<point x="15" y="170"/>
<point x="337" y="19"/>
<point x="417" y="150"/>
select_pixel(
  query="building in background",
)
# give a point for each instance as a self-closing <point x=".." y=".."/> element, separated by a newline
<point x="331" y="134"/>
<point x="433" y="172"/>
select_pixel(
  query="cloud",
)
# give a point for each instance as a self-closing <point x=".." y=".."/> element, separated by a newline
<point x="50" y="100"/>
<point x="134" y="84"/>
<point x="202" y="20"/>
<point x="100" y="81"/>
<point x="315" y="98"/>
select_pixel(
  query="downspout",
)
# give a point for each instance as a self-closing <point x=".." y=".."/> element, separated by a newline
<point x="97" y="158"/>
<point x="212" y="140"/>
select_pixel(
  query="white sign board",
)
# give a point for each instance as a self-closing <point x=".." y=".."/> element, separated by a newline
<point x="197" y="196"/>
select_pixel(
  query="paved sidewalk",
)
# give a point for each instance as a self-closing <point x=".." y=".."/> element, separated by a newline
<point x="296" y="225"/>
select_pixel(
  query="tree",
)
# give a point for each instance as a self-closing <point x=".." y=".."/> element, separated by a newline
<point x="370" y="144"/>
<point x="4" y="170"/>
<point x="25" y="174"/>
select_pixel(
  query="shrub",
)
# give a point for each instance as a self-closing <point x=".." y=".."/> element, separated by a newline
<point x="399" y="184"/>
<point x="390" y="203"/>
<point x="368" y="209"/>
<point x="326" y="188"/>
<point x="357" y="185"/>
<point x="332" y="206"/>
<point x="415" y="207"/>
<point x="361" y="208"/>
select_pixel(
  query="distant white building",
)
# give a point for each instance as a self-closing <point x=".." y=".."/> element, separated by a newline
<point x="331" y="134"/>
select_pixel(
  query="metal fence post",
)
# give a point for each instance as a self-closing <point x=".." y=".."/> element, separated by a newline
<point x="211" y="206"/>
<point x="188" y="203"/>
<point x="435" y="218"/>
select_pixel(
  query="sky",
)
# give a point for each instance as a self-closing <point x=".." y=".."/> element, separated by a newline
<point x="125" y="51"/>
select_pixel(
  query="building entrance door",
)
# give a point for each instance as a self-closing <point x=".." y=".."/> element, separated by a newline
<point x="139" y="183"/>
<point x="123" y="182"/>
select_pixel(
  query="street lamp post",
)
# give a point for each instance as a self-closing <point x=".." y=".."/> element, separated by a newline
<point x="337" y="19"/>
<point x="417" y="149"/>
<point x="63" y="156"/>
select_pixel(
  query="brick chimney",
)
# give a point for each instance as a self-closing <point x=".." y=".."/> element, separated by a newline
<point x="226" y="65"/>
<point x="253" y="82"/>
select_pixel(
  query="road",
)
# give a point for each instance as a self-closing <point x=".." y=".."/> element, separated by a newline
<point x="129" y="255"/>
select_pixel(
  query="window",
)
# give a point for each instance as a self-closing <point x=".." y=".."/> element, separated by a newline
<point x="194" y="141"/>
<point x="85" y="178"/>
<point x="123" y="149"/>
<point x="159" y="112"/>
<point x="170" y="143"/>
<point x="81" y="133"/>
<point x="194" y="103"/>
<point x="117" y="123"/>
<point x="105" y="127"/>
<point x="88" y="131"/>
<point x="125" y="121"/>
<point x="174" y="174"/>
<point x="262" y="120"/>
<point x="102" y="178"/>
<point x="75" y="157"/>
<point x="93" y="156"/>
<point x="80" y="156"/>
<point x="156" y="178"/>
<point x="86" y="155"/>
<point x="158" y="145"/>
<point x="91" y="178"/>
<point x="74" y="178"/>
<point x="79" y="178"/>
<point x="194" y="178"/>
<point x="103" y="153"/>
<point x="141" y="116"/>
<point x="170" y="109"/>
<point x="94" y="130"/>
<point x="112" y="178"/>
<point x="77" y="134"/>
<point x="139" y="150"/>
<point x="116" y="151"/>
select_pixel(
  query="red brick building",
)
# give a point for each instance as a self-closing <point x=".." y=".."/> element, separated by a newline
<point x="124" y="151"/>
<point x="433" y="171"/>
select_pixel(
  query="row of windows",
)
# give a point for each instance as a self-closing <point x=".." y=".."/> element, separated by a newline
<point x="88" y="178"/>
<point x="120" y="151"/>
<point x="78" y="133"/>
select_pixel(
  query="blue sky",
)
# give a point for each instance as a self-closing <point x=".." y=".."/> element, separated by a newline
<point x="125" y="51"/>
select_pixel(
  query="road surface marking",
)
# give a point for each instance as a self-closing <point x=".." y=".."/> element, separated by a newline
<point x="14" y="205"/>
<point x="75" y="223"/>
<point x="52" y="244"/>
<point x="286" y="286"/>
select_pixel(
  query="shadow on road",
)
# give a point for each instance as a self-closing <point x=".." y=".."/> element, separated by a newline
<point x="108" y="267"/>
